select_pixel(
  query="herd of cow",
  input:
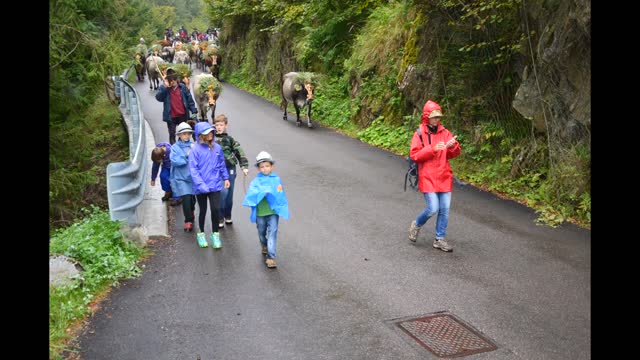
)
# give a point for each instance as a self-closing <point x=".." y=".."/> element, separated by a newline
<point x="297" y="87"/>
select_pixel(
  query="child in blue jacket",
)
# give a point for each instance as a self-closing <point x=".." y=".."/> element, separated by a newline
<point x="268" y="203"/>
<point x="181" y="182"/>
<point x="209" y="175"/>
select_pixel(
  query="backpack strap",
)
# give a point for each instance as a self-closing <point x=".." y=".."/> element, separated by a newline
<point x="420" y="135"/>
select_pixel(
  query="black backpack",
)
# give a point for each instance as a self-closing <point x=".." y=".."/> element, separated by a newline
<point x="412" y="172"/>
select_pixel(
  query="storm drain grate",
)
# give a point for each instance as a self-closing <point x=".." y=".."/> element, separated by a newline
<point x="444" y="335"/>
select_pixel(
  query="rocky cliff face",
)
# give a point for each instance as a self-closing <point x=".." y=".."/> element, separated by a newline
<point x="556" y="87"/>
<point x="555" y="67"/>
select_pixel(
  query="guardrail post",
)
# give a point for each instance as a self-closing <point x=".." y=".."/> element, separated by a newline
<point x="116" y="85"/>
<point x="127" y="96"/>
<point x="124" y="101"/>
<point x="135" y="122"/>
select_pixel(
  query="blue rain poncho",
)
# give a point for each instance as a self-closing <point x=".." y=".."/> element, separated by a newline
<point x="269" y="186"/>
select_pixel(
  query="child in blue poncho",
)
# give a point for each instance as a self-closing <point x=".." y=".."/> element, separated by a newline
<point x="268" y="203"/>
<point x="180" y="177"/>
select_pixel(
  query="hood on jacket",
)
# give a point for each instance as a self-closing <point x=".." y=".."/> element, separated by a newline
<point x="428" y="108"/>
<point x="204" y="127"/>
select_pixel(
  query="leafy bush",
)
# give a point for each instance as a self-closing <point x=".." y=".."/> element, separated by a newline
<point x="77" y="169"/>
<point x="97" y="244"/>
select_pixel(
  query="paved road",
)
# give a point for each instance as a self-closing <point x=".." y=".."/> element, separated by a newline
<point x="345" y="265"/>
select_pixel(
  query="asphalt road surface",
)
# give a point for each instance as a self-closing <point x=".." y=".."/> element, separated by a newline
<point x="345" y="265"/>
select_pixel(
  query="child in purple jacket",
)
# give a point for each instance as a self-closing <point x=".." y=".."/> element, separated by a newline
<point x="209" y="174"/>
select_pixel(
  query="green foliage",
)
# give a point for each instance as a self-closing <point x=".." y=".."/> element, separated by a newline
<point x="97" y="244"/>
<point x="387" y="136"/>
<point x="376" y="62"/>
<point x="85" y="47"/>
<point x="183" y="70"/>
<point x="256" y="88"/>
<point x="141" y="50"/>
<point x="77" y="169"/>
<point x="332" y="106"/>
<point x="378" y="47"/>
<point x="164" y="16"/>
<point x="490" y="162"/>
<point x="210" y="83"/>
<point x="329" y="29"/>
<point x="308" y="78"/>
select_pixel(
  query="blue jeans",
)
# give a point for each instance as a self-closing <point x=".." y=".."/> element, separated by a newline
<point x="268" y="233"/>
<point x="226" y="196"/>
<point x="438" y="202"/>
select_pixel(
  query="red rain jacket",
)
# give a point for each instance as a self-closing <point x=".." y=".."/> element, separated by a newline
<point x="434" y="171"/>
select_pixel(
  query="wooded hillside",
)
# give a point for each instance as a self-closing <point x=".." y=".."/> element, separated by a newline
<point x="513" y="77"/>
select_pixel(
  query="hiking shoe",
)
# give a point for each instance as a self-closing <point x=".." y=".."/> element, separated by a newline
<point x="215" y="239"/>
<point x="271" y="263"/>
<point x="228" y="221"/>
<point x="414" y="230"/>
<point x="202" y="240"/>
<point x="264" y="250"/>
<point x="442" y="245"/>
<point x="221" y="224"/>
<point x="188" y="226"/>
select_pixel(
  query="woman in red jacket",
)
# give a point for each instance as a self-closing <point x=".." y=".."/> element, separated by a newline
<point x="431" y="149"/>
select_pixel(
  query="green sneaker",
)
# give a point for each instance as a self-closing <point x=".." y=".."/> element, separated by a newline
<point x="215" y="239"/>
<point x="202" y="240"/>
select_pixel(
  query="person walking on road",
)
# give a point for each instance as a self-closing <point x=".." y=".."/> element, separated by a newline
<point x="432" y="147"/>
<point x="233" y="154"/>
<point x="209" y="175"/>
<point x="176" y="102"/>
<point x="181" y="182"/>
<point x="161" y="162"/>
<point x="268" y="203"/>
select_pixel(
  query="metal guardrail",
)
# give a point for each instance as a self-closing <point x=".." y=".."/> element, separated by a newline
<point x="126" y="180"/>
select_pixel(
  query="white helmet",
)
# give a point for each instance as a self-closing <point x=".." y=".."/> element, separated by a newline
<point x="141" y="40"/>
<point x="264" y="156"/>
<point x="183" y="127"/>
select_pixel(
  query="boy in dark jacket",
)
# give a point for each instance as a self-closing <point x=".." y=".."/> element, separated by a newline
<point x="233" y="154"/>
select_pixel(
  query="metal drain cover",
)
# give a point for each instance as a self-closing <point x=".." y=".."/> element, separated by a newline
<point x="444" y="335"/>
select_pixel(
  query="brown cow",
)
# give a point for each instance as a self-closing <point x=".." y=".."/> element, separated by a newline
<point x="298" y="88"/>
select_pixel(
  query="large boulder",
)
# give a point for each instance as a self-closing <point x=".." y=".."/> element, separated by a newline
<point x="62" y="271"/>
